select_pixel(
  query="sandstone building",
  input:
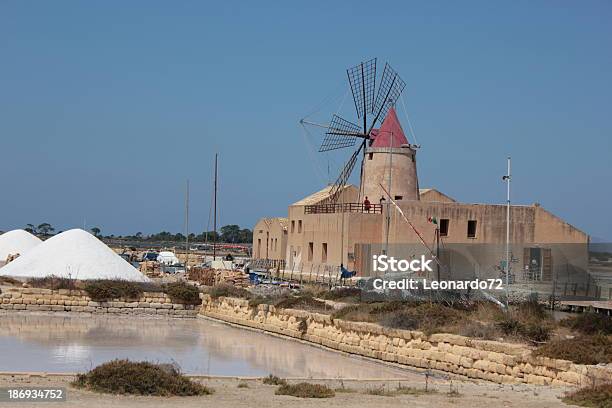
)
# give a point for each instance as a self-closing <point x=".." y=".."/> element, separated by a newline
<point x="319" y="235"/>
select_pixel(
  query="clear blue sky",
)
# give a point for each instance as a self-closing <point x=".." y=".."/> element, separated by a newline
<point x="107" y="107"/>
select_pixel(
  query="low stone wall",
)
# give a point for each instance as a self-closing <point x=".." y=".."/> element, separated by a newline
<point x="482" y="359"/>
<point x="64" y="300"/>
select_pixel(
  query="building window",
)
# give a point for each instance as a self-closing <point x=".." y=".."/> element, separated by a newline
<point x="471" y="229"/>
<point x="444" y="227"/>
<point x="324" y="252"/>
<point x="310" y="251"/>
<point x="292" y="226"/>
<point x="370" y="156"/>
<point x="299" y="226"/>
<point x="399" y="197"/>
<point x="412" y="157"/>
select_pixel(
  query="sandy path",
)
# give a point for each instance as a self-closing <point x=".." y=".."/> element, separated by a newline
<point x="228" y="395"/>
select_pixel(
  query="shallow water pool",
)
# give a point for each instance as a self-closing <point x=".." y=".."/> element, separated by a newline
<point x="71" y="343"/>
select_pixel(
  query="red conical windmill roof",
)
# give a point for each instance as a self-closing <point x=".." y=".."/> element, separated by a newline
<point x="390" y="133"/>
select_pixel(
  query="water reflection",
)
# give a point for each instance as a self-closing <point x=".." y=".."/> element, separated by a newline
<point x="58" y="343"/>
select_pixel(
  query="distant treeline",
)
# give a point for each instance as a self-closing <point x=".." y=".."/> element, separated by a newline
<point x="228" y="233"/>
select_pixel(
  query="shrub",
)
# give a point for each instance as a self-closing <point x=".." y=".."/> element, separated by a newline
<point x="101" y="290"/>
<point x="532" y="331"/>
<point x="52" y="282"/>
<point x="243" y="384"/>
<point x="227" y="290"/>
<point x="584" y="349"/>
<point x="589" y="323"/>
<point x="181" y="292"/>
<point x="306" y="390"/>
<point x="140" y="378"/>
<point x="273" y="380"/>
<point x="599" y="396"/>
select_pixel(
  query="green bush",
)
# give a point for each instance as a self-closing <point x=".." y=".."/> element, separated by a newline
<point x="139" y="378"/>
<point x="181" y="292"/>
<point x="102" y="290"/>
<point x="599" y="396"/>
<point x="584" y="349"/>
<point x="306" y="390"/>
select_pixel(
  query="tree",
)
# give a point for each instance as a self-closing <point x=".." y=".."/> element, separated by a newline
<point x="45" y="229"/>
<point x="230" y="233"/>
<point x="95" y="231"/>
<point x="138" y="235"/>
<point x="31" y="228"/>
<point x="245" y="236"/>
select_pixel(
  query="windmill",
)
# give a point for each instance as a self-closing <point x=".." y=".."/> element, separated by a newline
<point x="371" y="105"/>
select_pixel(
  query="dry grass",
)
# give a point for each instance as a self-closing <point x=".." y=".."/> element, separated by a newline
<point x="52" y="282"/>
<point x="305" y="390"/>
<point x="584" y="349"/>
<point x="599" y="396"/>
<point x="228" y="290"/>
<point x="589" y="323"/>
<point x="7" y="280"/>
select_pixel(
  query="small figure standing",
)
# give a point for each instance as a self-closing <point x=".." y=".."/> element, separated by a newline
<point x="366" y="204"/>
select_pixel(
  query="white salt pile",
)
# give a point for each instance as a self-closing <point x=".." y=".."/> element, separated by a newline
<point x="74" y="254"/>
<point x="16" y="242"/>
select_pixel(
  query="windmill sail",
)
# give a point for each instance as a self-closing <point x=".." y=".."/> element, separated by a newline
<point x="340" y="133"/>
<point x="362" y="79"/>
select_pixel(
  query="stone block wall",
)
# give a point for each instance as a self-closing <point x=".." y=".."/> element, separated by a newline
<point x="481" y="359"/>
<point x="64" y="300"/>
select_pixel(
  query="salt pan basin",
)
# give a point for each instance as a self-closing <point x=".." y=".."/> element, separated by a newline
<point x="71" y="343"/>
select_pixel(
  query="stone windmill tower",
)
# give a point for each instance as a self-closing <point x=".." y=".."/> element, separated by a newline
<point x="391" y="161"/>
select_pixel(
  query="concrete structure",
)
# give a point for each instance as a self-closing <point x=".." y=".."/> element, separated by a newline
<point x="322" y="235"/>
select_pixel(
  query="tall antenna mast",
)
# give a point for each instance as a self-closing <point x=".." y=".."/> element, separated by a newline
<point x="186" y="224"/>
<point x="215" y="213"/>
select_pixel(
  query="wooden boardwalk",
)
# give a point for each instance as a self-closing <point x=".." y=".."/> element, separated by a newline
<point x="599" y="306"/>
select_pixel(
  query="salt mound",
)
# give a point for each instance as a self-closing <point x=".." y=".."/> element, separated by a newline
<point x="74" y="254"/>
<point x="16" y="242"/>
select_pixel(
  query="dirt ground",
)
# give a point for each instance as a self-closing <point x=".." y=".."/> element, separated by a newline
<point x="228" y="395"/>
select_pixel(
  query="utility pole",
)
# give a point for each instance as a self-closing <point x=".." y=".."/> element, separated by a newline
<point x="438" y="248"/>
<point x="389" y="203"/>
<point x="186" y="224"/>
<point x="507" y="179"/>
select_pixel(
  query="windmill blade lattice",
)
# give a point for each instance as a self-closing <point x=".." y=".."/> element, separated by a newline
<point x="391" y="87"/>
<point x="362" y="79"/>
<point x="340" y="133"/>
<point x="344" y="175"/>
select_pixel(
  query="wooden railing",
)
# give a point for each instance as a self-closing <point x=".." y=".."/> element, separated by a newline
<point x="343" y="208"/>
